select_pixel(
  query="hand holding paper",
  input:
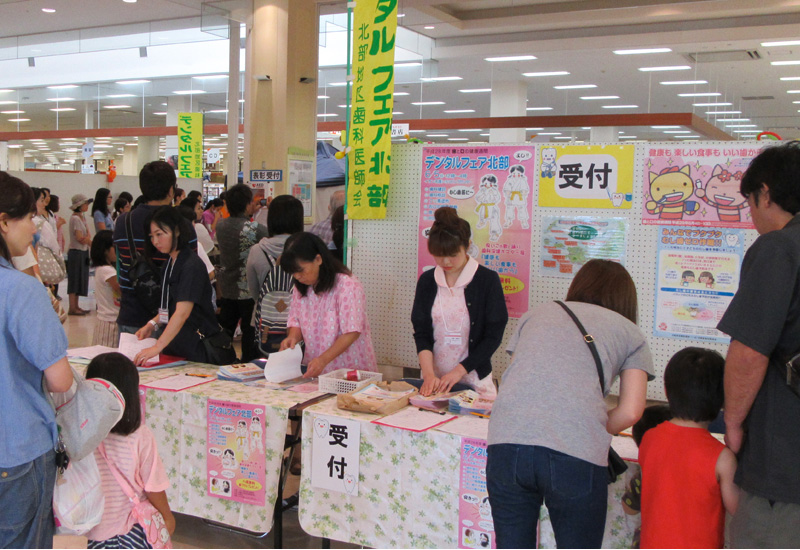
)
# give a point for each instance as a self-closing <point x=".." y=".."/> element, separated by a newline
<point x="130" y="346"/>
<point x="284" y="365"/>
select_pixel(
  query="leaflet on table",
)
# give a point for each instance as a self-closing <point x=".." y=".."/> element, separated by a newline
<point x="335" y="448"/>
<point x="435" y="402"/>
<point x="236" y="463"/>
<point x="89" y="352"/>
<point x="130" y="345"/>
<point x="414" y="419"/>
<point x="475" y="525"/>
<point x="284" y="365"/>
<point x="468" y="425"/>
<point x="697" y="275"/>
<point x="470" y="401"/>
<point x="180" y="382"/>
<point x="240" y="372"/>
<point x="372" y="391"/>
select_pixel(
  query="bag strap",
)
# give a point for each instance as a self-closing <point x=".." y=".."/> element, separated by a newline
<point x="124" y="484"/>
<point x="589" y="342"/>
<point x="271" y="266"/>
<point x="129" y="235"/>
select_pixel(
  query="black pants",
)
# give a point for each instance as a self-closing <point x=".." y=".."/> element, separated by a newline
<point x="231" y="312"/>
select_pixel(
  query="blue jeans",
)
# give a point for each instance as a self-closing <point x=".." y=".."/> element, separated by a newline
<point x="520" y="477"/>
<point x="26" y="503"/>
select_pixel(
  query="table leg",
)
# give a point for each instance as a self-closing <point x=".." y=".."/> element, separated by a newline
<point x="326" y="544"/>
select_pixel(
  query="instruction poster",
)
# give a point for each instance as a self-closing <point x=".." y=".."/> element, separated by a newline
<point x="586" y="176"/>
<point x="697" y="276"/>
<point x="491" y="187"/>
<point x="236" y="464"/>
<point x="697" y="185"/>
<point x="475" y="525"/>
<point x="568" y="243"/>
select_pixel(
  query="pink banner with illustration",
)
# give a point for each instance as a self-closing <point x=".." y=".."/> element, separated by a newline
<point x="236" y="464"/>
<point x="475" y="525"/>
<point x="492" y="188"/>
<point x="697" y="185"/>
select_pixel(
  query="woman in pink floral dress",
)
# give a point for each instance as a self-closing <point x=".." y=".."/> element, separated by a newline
<point x="328" y="310"/>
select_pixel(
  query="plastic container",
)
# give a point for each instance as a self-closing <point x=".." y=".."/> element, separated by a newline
<point x="336" y="381"/>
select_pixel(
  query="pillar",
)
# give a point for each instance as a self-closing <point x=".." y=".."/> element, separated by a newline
<point x="147" y="151"/>
<point x="231" y="167"/>
<point x="175" y="105"/>
<point x="16" y="160"/>
<point x="509" y="98"/>
<point x="4" y="156"/>
<point x="130" y="161"/>
<point x="280" y="113"/>
<point x="604" y="134"/>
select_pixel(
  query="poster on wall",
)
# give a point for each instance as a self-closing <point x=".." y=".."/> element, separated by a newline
<point x="586" y="176"/>
<point x="235" y="459"/>
<point x="301" y="179"/>
<point x="570" y="242"/>
<point x="490" y="186"/>
<point x="696" y="277"/>
<point x="335" y="454"/>
<point x="697" y="185"/>
<point x="475" y="524"/>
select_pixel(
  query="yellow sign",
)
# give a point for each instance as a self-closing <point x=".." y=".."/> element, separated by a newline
<point x="190" y="145"/>
<point x="370" y="131"/>
<point x="586" y="176"/>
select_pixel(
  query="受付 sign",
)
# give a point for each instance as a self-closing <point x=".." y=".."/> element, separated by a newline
<point x="335" y="454"/>
<point x="266" y="175"/>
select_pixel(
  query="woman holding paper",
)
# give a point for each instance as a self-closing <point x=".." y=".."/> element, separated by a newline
<point x="185" y="292"/>
<point x="459" y="312"/>
<point x="328" y="309"/>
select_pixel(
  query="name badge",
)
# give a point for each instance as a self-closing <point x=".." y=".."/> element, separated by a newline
<point x="452" y="340"/>
<point x="163" y="316"/>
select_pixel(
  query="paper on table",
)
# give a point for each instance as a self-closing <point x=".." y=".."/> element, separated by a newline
<point x="129" y="346"/>
<point x="284" y="365"/>
<point x="178" y="382"/>
<point x="89" y="352"/>
<point x="468" y="425"/>
<point x="413" y="419"/>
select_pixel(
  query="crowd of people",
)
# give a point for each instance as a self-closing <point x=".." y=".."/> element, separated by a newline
<point x="188" y="276"/>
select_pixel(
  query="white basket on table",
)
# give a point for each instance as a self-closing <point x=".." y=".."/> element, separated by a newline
<point x="337" y="382"/>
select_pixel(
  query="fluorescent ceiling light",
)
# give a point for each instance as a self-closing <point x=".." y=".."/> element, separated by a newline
<point x="427" y="102"/>
<point x="669" y="68"/>
<point x="741" y="125"/>
<point x="700" y="94"/>
<point x="549" y="133"/>
<point x="440" y="78"/>
<point x="460" y="111"/>
<point x="478" y="134"/>
<point x="8" y="102"/>
<point x="399" y="93"/>
<point x="472" y="130"/>
<point x="62" y="109"/>
<point x="337" y="84"/>
<point x="323" y="97"/>
<point x="723" y="112"/>
<point x="116" y="106"/>
<point x="12" y="112"/>
<point x="534" y="129"/>
<point x="620" y="106"/>
<point x="436" y="135"/>
<point x="642" y="51"/>
<point x="736" y="120"/>
<point x="327" y="114"/>
<point x="793" y="91"/>
<point x="188" y="92"/>
<point x="538" y="108"/>
<point x="138" y="81"/>
<point x="457" y="139"/>
<point x="62" y="87"/>
<point x="511" y="58"/>
<point x="18" y="119"/>
<point x="5" y="91"/>
<point x="575" y="87"/>
<point x="397" y="113"/>
<point x="781" y="43"/>
<point x="119" y="96"/>
<point x="627" y="137"/>
<point x="211" y="77"/>
<point x="683" y="82"/>
<point x="408" y="64"/>
<point x="790" y="78"/>
<point x="15" y="146"/>
<point x="429" y="27"/>
<point x="780" y="63"/>
<point x="547" y="73"/>
<point x="218" y="111"/>
<point x="60" y="99"/>
<point x="592" y="97"/>
<point x="719" y="104"/>
<point x="476" y="91"/>
<point x="48" y="10"/>
<point x="160" y="113"/>
<point x="344" y="106"/>
<point x="745" y="131"/>
<point x="692" y="136"/>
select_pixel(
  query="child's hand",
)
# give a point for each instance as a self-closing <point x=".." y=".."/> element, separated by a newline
<point x="169" y="521"/>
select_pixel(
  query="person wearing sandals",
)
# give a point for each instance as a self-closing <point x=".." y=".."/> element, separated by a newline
<point x="78" y="255"/>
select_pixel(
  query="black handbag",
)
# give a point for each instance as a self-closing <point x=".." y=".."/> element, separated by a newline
<point x="616" y="466"/>
<point x="793" y="374"/>
<point x="219" y="348"/>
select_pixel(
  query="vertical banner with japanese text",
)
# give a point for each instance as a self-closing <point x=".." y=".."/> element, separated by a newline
<point x="370" y="139"/>
<point x="335" y="454"/>
<point x="190" y="145"/>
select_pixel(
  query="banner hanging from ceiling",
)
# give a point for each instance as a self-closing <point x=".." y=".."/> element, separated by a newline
<point x="190" y="145"/>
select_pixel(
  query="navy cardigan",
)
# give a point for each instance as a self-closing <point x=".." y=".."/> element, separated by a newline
<point x="487" y="317"/>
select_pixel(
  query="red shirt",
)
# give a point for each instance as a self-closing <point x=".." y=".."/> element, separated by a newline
<point x="681" y="499"/>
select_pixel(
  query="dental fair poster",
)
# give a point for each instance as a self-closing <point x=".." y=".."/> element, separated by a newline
<point x="697" y="276"/>
<point x="492" y="188"/>
<point x="568" y="243"/>
<point x="586" y="176"/>
<point x="235" y="461"/>
<point x="475" y="525"/>
<point x="697" y="185"/>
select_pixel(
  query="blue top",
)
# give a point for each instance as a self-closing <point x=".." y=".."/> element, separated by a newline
<point x="99" y="217"/>
<point x="31" y="340"/>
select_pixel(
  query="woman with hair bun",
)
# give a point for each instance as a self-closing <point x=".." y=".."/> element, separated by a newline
<point x="459" y="312"/>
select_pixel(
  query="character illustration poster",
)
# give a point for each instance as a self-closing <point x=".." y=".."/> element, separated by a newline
<point x="492" y="188"/>
<point x="697" y="276"/>
<point x="236" y="464"/>
<point x="697" y="185"/>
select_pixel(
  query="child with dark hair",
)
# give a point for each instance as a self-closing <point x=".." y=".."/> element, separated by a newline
<point x="130" y="453"/>
<point x="632" y="499"/>
<point x="106" y="289"/>
<point x="687" y="475"/>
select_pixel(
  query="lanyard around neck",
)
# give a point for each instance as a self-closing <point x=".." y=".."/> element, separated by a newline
<point x="165" y="283"/>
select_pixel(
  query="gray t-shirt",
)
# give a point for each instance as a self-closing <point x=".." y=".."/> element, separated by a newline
<point x="77" y="223"/>
<point x="550" y="394"/>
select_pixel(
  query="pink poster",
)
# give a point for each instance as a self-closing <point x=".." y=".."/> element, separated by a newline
<point x="475" y="525"/>
<point x="492" y="188"/>
<point x="236" y="464"/>
<point x="697" y="185"/>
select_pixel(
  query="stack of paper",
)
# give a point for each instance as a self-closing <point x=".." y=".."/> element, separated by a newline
<point x="284" y="365"/>
<point x="243" y="372"/>
<point x="469" y="401"/>
<point x="435" y="402"/>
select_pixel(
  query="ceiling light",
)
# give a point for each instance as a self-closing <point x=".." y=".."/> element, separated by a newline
<point x="670" y="68"/>
<point x="472" y="130"/>
<point x="48" y="10"/>
<point x="15" y="146"/>
<point x="452" y="111"/>
<point x="397" y="113"/>
<point x="549" y="133"/>
<point x="399" y="93"/>
<point x="793" y="91"/>
<point x="745" y="131"/>
<point x="700" y="94"/>
<point x="323" y="97"/>
<point x="326" y="114"/>
<point x="538" y="108"/>
<point x="188" y="92"/>
<point x="60" y="99"/>
<point x="662" y="127"/>
<point x="457" y="139"/>
<point x="627" y="137"/>
<point x="18" y="119"/>
<point x="534" y="129"/>
<point x="62" y="109"/>
<point x="429" y="27"/>
<point x="408" y="64"/>
<point x="8" y="102"/>
<point x="399" y="15"/>
<point x="781" y="43"/>
<point x="119" y="96"/>
<point x="475" y="90"/>
<point x="436" y="135"/>
<point x="160" y="113"/>
<point x="116" y="106"/>
<point x="642" y="51"/>
<point x="427" y="103"/>
<point x="129" y="1"/>
<point x="741" y="125"/>
<point x="440" y="78"/>
<point x="547" y="73"/>
<point x="779" y="63"/>
<point x="790" y="78"/>
<point x="12" y="112"/>
<point x="217" y="111"/>
<point x="211" y="77"/>
<point x="575" y="87"/>
<point x="723" y="112"/>
<point x="736" y="120"/>
<point x="720" y="104"/>
<point x="683" y="82"/>
<point x="692" y="136"/>
<point x="620" y="106"/>
<point x="590" y="97"/>
<point x="5" y="91"/>
<point x="511" y="58"/>
<point x="139" y="81"/>
<point x="62" y="87"/>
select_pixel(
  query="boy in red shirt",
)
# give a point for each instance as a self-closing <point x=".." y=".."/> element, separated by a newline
<point x="687" y="475"/>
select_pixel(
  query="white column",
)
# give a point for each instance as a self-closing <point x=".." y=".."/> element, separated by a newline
<point x="509" y="98"/>
<point x="16" y="160"/>
<point x="147" y="151"/>
<point x="130" y="160"/>
<point x="231" y="162"/>
<point x="604" y="134"/>
<point x="4" y="156"/>
<point x="88" y="115"/>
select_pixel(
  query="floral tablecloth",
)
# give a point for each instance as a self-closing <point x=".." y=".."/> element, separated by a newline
<point x="409" y="490"/>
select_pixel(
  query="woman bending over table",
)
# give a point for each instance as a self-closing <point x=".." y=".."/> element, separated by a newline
<point x="328" y="310"/>
<point x="459" y="312"/>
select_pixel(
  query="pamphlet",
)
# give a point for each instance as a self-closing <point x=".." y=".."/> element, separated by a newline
<point x="284" y="365"/>
<point x="129" y="346"/>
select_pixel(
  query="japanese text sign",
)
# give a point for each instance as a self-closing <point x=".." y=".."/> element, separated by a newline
<point x="475" y="523"/>
<point x="370" y="128"/>
<point x="190" y="145"/>
<point x="335" y="454"/>
<point x="266" y="175"/>
<point x="586" y="176"/>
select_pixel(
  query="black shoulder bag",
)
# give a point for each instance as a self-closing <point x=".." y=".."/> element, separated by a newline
<point x="616" y="466"/>
<point x="142" y="274"/>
